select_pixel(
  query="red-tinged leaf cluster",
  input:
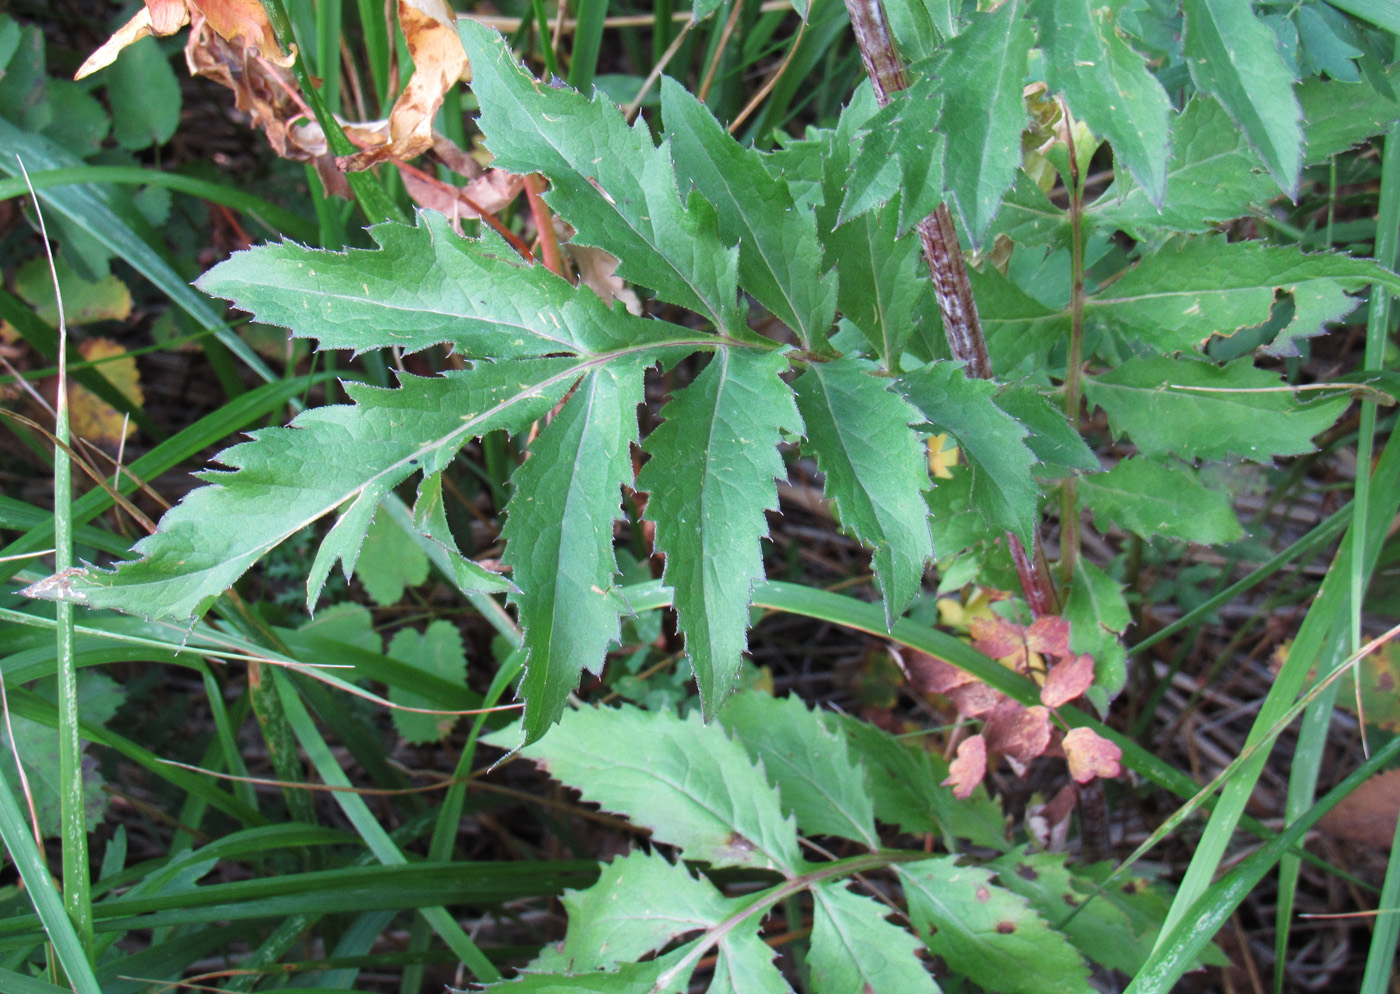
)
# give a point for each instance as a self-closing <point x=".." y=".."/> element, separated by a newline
<point x="1010" y="729"/>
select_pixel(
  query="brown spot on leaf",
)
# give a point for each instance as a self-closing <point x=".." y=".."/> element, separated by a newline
<point x="1026" y="872"/>
<point x="1005" y="927"/>
<point x="983" y="894"/>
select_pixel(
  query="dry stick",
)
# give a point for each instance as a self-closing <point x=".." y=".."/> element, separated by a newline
<point x="939" y="237"/>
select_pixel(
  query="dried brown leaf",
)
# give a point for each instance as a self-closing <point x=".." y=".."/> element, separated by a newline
<point x="931" y="674"/>
<point x="1367" y="815"/>
<point x="244" y="24"/>
<point x="439" y="61"/>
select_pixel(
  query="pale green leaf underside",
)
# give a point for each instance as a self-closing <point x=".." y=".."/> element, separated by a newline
<point x="876" y="469"/>
<point x="640" y="903"/>
<point x="985" y="931"/>
<point x="710" y="479"/>
<point x="809" y="764"/>
<point x="1176" y="299"/>
<point x="1107" y="84"/>
<point x="688" y="782"/>
<point x="984" y="112"/>
<point x="1233" y="56"/>
<point x="779" y="258"/>
<point x="608" y="180"/>
<point x="1199" y="410"/>
<point x="1149" y="498"/>
<point x="1003" y="484"/>
<point x="855" y="949"/>
<point x="559" y="537"/>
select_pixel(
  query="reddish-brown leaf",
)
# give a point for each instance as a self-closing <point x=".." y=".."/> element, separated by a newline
<point x="1049" y="634"/>
<point x="973" y="700"/>
<point x="1022" y="733"/>
<point x="966" y="771"/>
<point x="931" y="674"/>
<point x="1067" y="680"/>
<point x="1091" y="755"/>
<point x="244" y="23"/>
<point x="1367" y="815"/>
<point x="999" y="638"/>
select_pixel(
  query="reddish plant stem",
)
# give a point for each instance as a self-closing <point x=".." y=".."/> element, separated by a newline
<point x="939" y="237"/>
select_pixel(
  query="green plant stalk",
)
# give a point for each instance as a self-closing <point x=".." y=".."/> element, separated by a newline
<point x="1381" y="956"/>
<point x="77" y="888"/>
<point x="1213" y="908"/>
<point x="939" y="237"/>
<point x="39" y="886"/>
<point x="373" y="201"/>
<point x="551" y="65"/>
<point x="1327" y="608"/>
<point x="371" y="831"/>
<point x="1074" y="368"/>
<point x="1312" y="739"/>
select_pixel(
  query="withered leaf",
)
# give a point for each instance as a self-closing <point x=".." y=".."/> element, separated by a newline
<point x="1091" y="755"/>
<point x="966" y="771"/>
<point x="1069" y="678"/>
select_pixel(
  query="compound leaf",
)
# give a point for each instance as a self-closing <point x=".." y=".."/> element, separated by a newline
<point x="1198" y="410"/>
<point x="855" y="949"/>
<point x="559" y="537"/>
<point x="1149" y="498"/>
<point x="1107" y="84"/>
<point x="710" y="476"/>
<point x="982" y="930"/>
<point x="1232" y="55"/>
<point x="608" y="180"/>
<point x="689" y="782"/>
<point x="876" y="469"/>
<point x="808" y="762"/>
<point x="779" y="258"/>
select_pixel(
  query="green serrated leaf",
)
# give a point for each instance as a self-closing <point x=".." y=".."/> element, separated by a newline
<point x="423" y="286"/>
<point x="1149" y="498"/>
<point x="559" y="537"/>
<point x="609" y="181"/>
<point x="437" y="650"/>
<point x="901" y="154"/>
<point x="430" y="519"/>
<point x="954" y="519"/>
<point x="906" y="784"/>
<point x="1017" y="326"/>
<point x="1337" y="116"/>
<point x="807" y="762"/>
<point x="1199" y="410"/>
<point x="1098" y="615"/>
<point x="388" y="564"/>
<point x="1099" y="928"/>
<point x="1052" y="439"/>
<point x="1107" y="84"/>
<point x="640" y="904"/>
<point x="1177" y="298"/>
<point x="1232" y="56"/>
<point x="779" y="258"/>
<point x="1213" y="176"/>
<point x="688" y="782"/>
<point x="984" y="112"/>
<point x="710" y="476"/>
<point x="855" y="949"/>
<point x="987" y="932"/>
<point x="286" y="478"/>
<point x="876" y="469"/>
<point x="1003" y="481"/>
<point x="745" y="966"/>
<point x="348" y="623"/>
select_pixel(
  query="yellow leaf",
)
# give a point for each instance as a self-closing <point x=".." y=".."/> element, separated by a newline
<point x="942" y="456"/>
<point x="93" y="418"/>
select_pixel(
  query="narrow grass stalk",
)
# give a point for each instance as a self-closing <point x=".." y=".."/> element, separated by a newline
<point x="1381" y="957"/>
<point x="77" y="889"/>
<point x="369" y="829"/>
